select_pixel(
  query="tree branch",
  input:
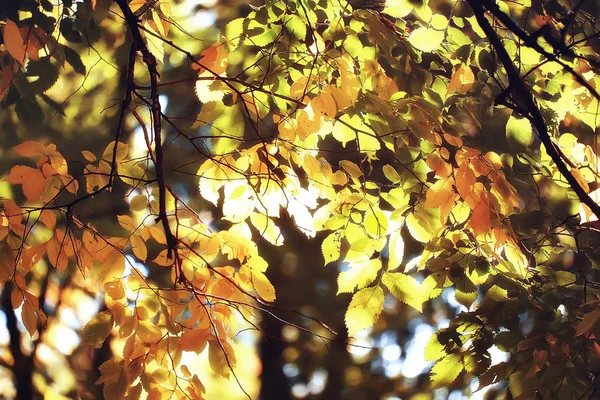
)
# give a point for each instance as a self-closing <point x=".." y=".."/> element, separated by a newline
<point x="526" y="98"/>
<point x="151" y="64"/>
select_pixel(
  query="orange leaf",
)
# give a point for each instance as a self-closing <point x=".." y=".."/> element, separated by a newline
<point x="480" y="218"/>
<point x="14" y="42"/>
<point x="194" y="340"/>
<point x="48" y="218"/>
<point x="465" y="180"/>
<point x="34" y="185"/>
<point x="29" y="318"/>
<point x="214" y="59"/>
<point x="30" y="149"/>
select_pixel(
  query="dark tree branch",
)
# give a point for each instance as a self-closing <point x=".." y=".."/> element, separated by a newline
<point x="531" y="109"/>
<point x="140" y="45"/>
<point x="531" y="41"/>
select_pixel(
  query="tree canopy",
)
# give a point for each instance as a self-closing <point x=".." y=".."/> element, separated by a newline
<point x="184" y="179"/>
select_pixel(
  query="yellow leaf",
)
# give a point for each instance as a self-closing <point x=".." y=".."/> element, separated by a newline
<point x="209" y="90"/>
<point x="352" y="169"/>
<point x="480" y="218"/>
<point x="263" y="287"/>
<point x="342" y="132"/>
<point x="434" y="350"/>
<point x="122" y="151"/>
<point x="213" y="59"/>
<point x="396" y="250"/>
<point x="331" y="248"/>
<point x="135" y="5"/>
<point x="445" y="371"/>
<point x="365" y="307"/>
<point x="398" y="8"/>
<point x="127" y="222"/>
<point x="519" y="131"/>
<point x="95" y="332"/>
<point x="267" y="228"/>
<point x="115" y="289"/>
<point x="88" y="155"/>
<point x="139" y="247"/>
<point x="424" y="224"/>
<point x="149" y="332"/>
<point x="109" y="371"/>
<point x="359" y="275"/>
<point x="156" y="45"/>
<point x="405" y="288"/>
<point x="426" y="39"/>
<point x="139" y="202"/>
<point x="221" y="357"/>
<point x="34" y="185"/>
<point x="391" y="173"/>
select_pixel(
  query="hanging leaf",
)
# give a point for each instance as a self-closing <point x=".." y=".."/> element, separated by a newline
<point x="446" y="370"/>
<point x="364" y="309"/>
<point x="97" y="329"/>
<point x="405" y="288"/>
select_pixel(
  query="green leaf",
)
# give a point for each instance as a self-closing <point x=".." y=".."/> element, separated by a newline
<point x="365" y="307"/>
<point x="519" y="131"/>
<point x="405" y="288"/>
<point x="445" y="371"/>
<point x="95" y="332"/>
<point x="426" y="39"/>
<point x="398" y="8"/>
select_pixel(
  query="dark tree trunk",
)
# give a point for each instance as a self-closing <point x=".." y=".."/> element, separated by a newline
<point x="23" y="364"/>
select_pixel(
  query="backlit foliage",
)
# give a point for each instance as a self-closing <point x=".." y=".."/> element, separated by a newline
<point x="433" y="145"/>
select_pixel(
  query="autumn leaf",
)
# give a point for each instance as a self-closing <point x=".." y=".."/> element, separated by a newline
<point x="97" y="329"/>
<point x="446" y="370"/>
<point x="365" y="307"/>
<point x="405" y="288"/>
<point x="221" y="357"/>
<point x="14" y="42"/>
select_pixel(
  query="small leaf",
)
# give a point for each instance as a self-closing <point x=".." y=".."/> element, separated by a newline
<point x="95" y="332"/>
<point x="88" y="155"/>
<point x="74" y="60"/>
<point x="391" y="173"/>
